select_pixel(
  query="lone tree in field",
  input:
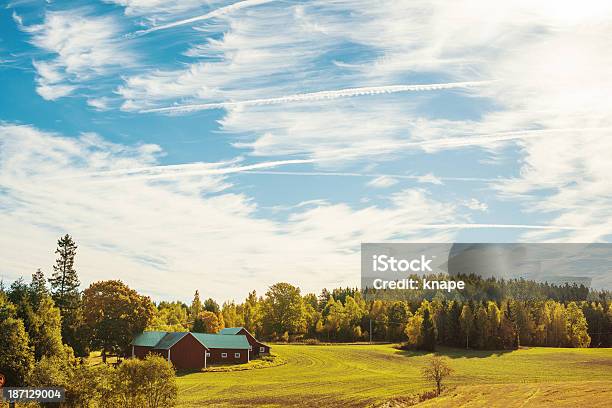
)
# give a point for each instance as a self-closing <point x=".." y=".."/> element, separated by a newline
<point x="436" y="370"/>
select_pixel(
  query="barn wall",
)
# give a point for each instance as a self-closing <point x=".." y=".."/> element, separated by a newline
<point x="254" y="343"/>
<point x="187" y="353"/>
<point x="215" y="356"/>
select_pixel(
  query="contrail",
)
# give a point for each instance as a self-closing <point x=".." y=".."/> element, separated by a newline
<point x="317" y="96"/>
<point x="212" y="14"/>
<point x="179" y="170"/>
<point x="368" y="175"/>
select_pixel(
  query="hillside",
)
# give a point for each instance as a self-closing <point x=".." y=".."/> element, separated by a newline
<point x="361" y="375"/>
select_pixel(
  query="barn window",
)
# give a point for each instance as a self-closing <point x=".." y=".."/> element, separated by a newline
<point x="236" y="355"/>
<point x="223" y="355"/>
<point x="207" y="354"/>
<point x="262" y="349"/>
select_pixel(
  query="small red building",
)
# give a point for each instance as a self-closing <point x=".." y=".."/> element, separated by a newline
<point x="257" y="347"/>
<point x="186" y="350"/>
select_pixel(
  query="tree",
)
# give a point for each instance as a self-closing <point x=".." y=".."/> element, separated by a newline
<point x="46" y="329"/>
<point x="206" y="322"/>
<point x="38" y="287"/>
<point x="147" y="383"/>
<point x="436" y="370"/>
<point x="414" y="330"/>
<point x="284" y="309"/>
<point x="65" y="281"/>
<point x="16" y="356"/>
<point x="114" y="314"/>
<point x="212" y="306"/>
<point x="577" y="329"/>
<point x="466" y="321"/>
<point x="196" y="306"/>
<point x="252" y="314"/>
<point x="157" y="382"/>
<point x="64" y="284"/>
<point x="428" y="332"/>
<point x="170" y="316"/>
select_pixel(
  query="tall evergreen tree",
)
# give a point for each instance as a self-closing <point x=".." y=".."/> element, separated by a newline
<point x="65" y="281"/>
<point x="65" y="293"/>
<point x="196" y="306"/>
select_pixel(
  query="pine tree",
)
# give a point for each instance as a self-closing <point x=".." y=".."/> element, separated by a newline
<point x="196" y="306"/>
<point x="65" y="293"/>
<point x="38" y="287"/>
<point x="64" y="281"/>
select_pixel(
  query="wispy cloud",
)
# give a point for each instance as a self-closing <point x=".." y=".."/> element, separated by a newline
<point x="81" y="47"/>
<point x="382" y="182"/>
<point x="163" y="232"/>
<point x="221" y="11"/>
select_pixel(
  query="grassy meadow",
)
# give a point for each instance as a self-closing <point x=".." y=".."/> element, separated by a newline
<point x="379" y="375"/>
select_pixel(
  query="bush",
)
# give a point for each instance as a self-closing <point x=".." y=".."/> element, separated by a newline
<point x="147" y="383"/>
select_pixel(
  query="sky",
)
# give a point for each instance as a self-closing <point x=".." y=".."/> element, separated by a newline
<point x="228" y="145"/>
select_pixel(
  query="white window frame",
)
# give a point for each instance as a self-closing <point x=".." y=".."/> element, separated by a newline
<point x="223" y="355"/>
<point x="207" y="354"/>
<point x="262" y="349"/>
<point x="236" y="355"/>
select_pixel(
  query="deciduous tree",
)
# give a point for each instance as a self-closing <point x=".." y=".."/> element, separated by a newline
<point x="114" y="313"/>
<point x="436" y="370"/>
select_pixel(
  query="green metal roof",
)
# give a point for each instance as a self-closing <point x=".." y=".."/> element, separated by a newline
<point x="230" y="330"/>
<point x="148" y="338"/>
<point x="169" y="340"/>
<point x="165" y="340"/>
<point x="221" y="341"/>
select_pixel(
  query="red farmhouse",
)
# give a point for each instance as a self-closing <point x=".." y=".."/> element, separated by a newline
<point x="194" y="350"/>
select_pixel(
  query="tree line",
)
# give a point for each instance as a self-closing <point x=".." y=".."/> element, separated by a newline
<point x="41" y="319"/>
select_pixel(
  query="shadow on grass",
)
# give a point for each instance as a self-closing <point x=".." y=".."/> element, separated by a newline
<point x="455" y="352"/>
<point x="182" y="373"/>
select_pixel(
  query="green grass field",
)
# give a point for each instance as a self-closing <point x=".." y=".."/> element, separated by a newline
<point x="362" y="375"/>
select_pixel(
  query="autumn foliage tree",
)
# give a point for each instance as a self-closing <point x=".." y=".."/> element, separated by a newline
<point x="114" y="314"/>
<point x="206" y="322"/>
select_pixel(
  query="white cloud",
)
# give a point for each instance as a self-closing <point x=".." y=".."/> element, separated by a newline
<point x="476" y="205"/>
<point x="82" y="47"/>
<point x="382" y="182"/>
<point x="430" y="178"/>
<point x="178" y="234"/>
<point x="140" y="7"/>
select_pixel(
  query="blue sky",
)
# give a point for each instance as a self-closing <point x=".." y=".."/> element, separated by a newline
<point x="228" y="145"/>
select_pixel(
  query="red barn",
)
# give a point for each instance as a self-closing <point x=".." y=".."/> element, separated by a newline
<point x="187" y="350"/>
<point x="257" y="348"/>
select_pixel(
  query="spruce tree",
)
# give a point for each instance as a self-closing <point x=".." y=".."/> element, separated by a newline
<point x="196" y="306"/>
<point x="65" y="293"/>
<point x="65" y="281"/>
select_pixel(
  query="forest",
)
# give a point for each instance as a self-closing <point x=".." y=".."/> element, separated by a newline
<point x="50" y="317"/>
